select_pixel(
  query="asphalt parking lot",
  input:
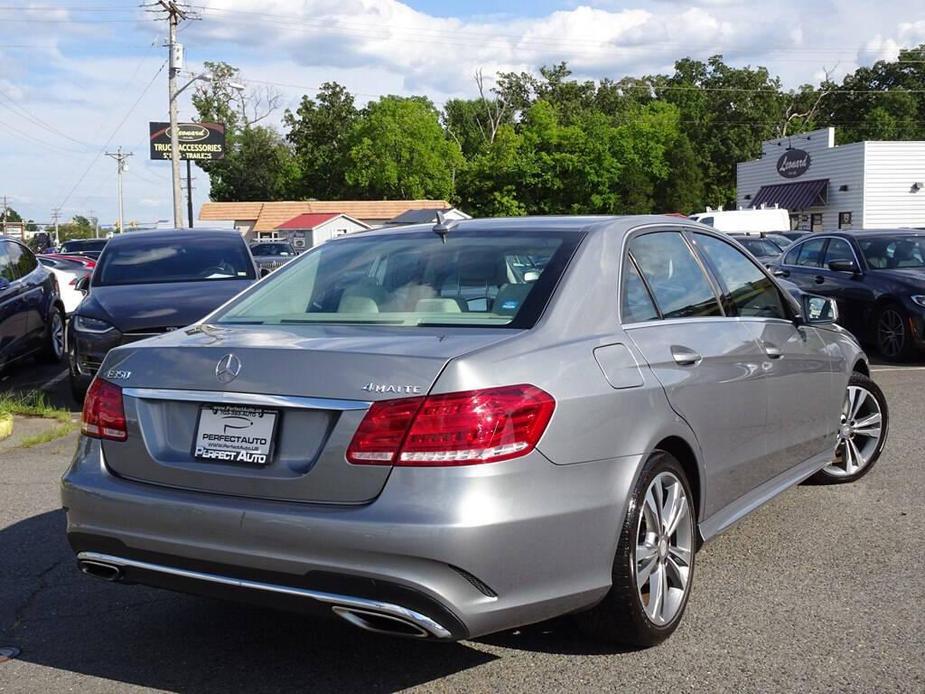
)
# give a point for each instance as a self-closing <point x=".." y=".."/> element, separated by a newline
<point x="821" y="590"/>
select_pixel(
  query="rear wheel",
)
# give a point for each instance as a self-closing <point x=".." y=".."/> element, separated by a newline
<point x="865" y="421"/>
<point x="53" y="349"/>
<point x="894" y="338"/>
<point x="654" y="565"/>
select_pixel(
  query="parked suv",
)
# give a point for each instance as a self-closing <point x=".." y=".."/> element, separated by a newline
<point x="445" y="431"/>
<point x="31" y="312"/>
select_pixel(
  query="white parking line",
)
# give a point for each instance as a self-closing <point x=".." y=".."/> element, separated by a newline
<point x="52" y="382"/>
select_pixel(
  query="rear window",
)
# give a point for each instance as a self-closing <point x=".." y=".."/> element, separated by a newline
<point x="277" y="249"/>
<point x="759" y="247"/>
<point x="186" y="258"/>
<point x="415" y="279"/>
<point x="83" y="245"/>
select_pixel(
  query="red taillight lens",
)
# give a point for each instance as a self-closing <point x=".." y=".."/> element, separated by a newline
<point x="103" y="415"/>
<point x="478" y="426"/>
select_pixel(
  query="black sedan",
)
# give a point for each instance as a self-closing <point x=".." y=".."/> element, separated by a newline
<point x="90" y="248"/>
<point x="765" y="251"/>
<point x="877" y="279"/>
<point x="147" y="283"/>
<point x="31" y="312"/>
<point x="270" y="255"/>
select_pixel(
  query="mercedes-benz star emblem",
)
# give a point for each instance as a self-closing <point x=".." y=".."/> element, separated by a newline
<point x="228" y="368"/>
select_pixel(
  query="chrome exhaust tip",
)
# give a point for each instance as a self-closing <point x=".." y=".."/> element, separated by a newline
<point x="98" y="569"/>
<point x="380" y="623"/>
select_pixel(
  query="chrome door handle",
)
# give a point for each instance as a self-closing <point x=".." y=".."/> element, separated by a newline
<point x="685" y="356"/>
<point x="773" y="351"/>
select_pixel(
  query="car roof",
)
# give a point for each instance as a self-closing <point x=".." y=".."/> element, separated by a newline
<point x="172" y="234"/>
<point x="563" y="223"/>
<point x="869" y="233"/>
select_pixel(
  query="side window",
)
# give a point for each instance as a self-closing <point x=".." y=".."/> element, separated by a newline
<point x="15" y="254"/>
<point x="6" y="269"/>
<point x="791" y="257"/>
<point x="811" y="253"/>
<point x="747" y="288"/>
<point x="27" y="261"/>
<point x="706" y="220"/>
<point x="637" y="304"/>
<point x="838" y="249"/>
<point x="678" y="284"/>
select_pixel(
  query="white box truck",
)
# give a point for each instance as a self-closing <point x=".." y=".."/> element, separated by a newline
<point x="745" y="221"/>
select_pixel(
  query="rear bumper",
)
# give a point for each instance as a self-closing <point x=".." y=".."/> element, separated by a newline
<point x="466" y="551"/>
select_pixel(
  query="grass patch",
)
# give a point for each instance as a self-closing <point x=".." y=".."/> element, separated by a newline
<point x="35" y="404"/>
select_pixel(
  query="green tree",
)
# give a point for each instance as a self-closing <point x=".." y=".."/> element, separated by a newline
<point x="399" y="150"/>
<point x="78" y="227"/>
<point x="318" y="132"/>
<point x="258" y="163"/>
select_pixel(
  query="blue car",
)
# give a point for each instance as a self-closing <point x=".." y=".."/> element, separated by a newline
<point x="31" y="312"/>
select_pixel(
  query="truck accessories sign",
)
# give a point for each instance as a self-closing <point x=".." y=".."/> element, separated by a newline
<point x="198" y="141"/>
<point x="793" y="163"/>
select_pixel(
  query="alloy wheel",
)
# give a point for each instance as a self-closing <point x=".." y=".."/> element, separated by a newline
<point x="891" y="333"/>
<point x="664" y="549"/>
<point x="57" y="334"/>
<point x="859" y="434"/>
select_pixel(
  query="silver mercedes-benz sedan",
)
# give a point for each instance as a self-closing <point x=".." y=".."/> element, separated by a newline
<point x="446" y="431"/>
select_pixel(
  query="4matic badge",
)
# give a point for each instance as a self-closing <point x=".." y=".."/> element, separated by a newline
<point x="390" y="388"/>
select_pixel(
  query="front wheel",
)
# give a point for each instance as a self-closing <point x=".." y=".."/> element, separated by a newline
<point x="654" y="565"/>
<point x="865" y="421"/>
<point x="894" y="337"/>
<point x="53" y="349"/>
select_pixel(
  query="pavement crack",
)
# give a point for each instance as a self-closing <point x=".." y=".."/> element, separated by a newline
<point x="40" y="585"/>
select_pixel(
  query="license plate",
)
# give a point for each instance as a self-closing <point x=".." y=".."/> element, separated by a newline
<point x="234" y="434"/>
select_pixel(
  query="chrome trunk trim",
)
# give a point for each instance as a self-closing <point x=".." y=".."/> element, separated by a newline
<point x="222" y="397"/>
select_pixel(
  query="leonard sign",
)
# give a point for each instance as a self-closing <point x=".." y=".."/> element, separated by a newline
<point x="198" y="141"/>
<point x="793" y="163"/>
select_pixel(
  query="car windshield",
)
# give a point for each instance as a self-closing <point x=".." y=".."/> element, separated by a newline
<point x="414" y="279"/>
<point x="279" y="249"/>
<point x="759" y="247"/>
<point x="186" y="258"/>
<point x="79" y="245"/>
<point x="891" y="252"/>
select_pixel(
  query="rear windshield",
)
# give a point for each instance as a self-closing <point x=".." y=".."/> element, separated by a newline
<point x="83" y="245"/>
<point x="272" y="249"/>
<point x="891" y="252"/>
<point x="187" y="258"/>
<point x="471" y="279"/>
<point x="759" y="247"/>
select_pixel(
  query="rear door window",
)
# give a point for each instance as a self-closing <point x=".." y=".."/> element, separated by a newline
<point x="678" y="283"/>
<point x="6" y="269"/>
<point x="21" y="259"/>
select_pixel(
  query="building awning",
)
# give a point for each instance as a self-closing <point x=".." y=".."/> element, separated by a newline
<point x="798" y="195"/>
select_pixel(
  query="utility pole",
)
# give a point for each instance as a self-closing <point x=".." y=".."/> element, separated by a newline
<point x="55" y="214"/>
<point x="3" y="217"/>
<point x="120" y="158"/>
<point x="174" y="15"/>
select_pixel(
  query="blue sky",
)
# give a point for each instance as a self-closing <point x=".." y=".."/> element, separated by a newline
<point x="80" y="78"/>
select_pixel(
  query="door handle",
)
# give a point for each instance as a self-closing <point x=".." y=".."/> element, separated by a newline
<point x="685" y="356"/>
<point x="773" y="351"/>
<point x="819" y="279"/>
<point x="781" y="273"/>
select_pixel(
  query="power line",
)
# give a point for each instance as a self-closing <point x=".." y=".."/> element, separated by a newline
<point x="112" y="136"/>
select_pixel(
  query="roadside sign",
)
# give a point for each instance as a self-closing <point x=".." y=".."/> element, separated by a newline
<point x="198" y="141"/>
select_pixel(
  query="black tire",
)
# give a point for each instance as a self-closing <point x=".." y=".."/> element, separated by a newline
<point x="829" y="475"/>
<point x="79" y="384"/>
<point x="893" y="334"/>
<point x="620" y="618"/>
<point x="53" y="342"/>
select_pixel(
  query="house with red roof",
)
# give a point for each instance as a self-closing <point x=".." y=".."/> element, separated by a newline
<point x="313" y="228"/>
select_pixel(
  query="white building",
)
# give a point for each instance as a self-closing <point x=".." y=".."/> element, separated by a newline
<point x="314" y="228"/>
<point x="863" y="185"/>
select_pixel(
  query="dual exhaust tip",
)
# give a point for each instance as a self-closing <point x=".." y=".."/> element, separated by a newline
<point x="369" y="620"/>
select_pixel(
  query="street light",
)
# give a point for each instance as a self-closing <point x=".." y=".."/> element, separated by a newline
<point x="239" y="88"/>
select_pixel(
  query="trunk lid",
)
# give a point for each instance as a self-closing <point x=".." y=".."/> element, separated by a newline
<point x="317" y="380"/>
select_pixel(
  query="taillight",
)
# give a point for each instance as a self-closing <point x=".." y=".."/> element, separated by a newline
<point x="467" y="428"/>
<point x="103" y="415"/>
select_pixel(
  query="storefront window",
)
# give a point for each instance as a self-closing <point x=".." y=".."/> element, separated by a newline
<point x="816" y="222"/>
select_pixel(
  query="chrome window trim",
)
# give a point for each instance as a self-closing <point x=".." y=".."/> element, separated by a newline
<point x="221" y="397"/>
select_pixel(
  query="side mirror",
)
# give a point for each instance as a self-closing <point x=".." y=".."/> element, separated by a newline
<point x="844" y="266"/>
<point x="4" y="283"/>
<point x="819" y="310"/>
<point x="83" y="284"/>
<point x="264" y="272"/>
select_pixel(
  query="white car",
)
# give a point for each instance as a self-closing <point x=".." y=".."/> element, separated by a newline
<point x="67" y="272"/>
